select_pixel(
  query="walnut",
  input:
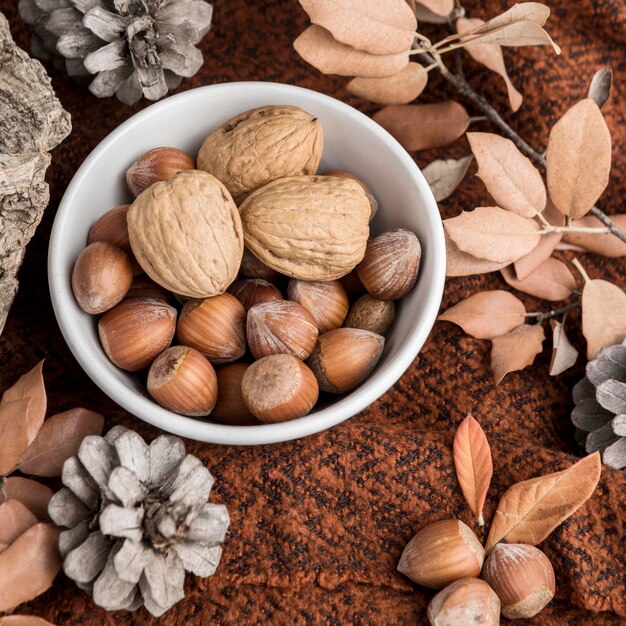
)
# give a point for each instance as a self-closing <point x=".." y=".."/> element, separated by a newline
<point x="186" y="234"/>
<point x="308" y="227"/>
<point x="261" y="145"/>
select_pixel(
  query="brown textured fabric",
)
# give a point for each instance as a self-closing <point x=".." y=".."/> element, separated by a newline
<point x="318" y="524"/>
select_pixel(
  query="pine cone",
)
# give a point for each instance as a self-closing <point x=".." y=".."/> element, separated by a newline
<point x="138" y="517"/>
<point x="135" y="47"/>
<point x="600" y="411"/>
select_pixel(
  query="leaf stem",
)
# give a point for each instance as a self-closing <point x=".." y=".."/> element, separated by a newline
<point x="576" y="263"/>
<point x="542" y="317"/>
<point x="549" y="228"/>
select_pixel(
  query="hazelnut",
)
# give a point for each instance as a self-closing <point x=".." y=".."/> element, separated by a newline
<point x="214" y="326"/>
<point x="465" y="602"/>
<point x="183" y="381"/>
<point x="230" y="407"/>
<point x="523" y="578"/>
<point x="251" y="291"/>
<point x="352" y="284"/>
<point x="441" y="553"/>
<point x="156" y="165"/>
<point x="145" y="287"/>
<point x="278" y="388"/>
<point x="101" y="277"/>
<point x="326" y="301"/>
<point x="390" y="265"/>
<point x="251" y="267"/>
<point x="366" y="189"/>
<point x="136" y="331"/>
<point x="343" y="358"/>
<point x="280" y="327"/>
<point x="369" y="313"/>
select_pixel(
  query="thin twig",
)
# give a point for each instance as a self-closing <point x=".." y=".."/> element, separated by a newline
<point x="542" y="317"/>
<point x="573" y="229"/>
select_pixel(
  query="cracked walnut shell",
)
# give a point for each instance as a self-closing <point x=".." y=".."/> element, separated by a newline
<point x="186" y="234"/>
<point x="308" y="227"/>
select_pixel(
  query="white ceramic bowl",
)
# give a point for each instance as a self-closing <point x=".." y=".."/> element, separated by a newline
<point x="352" y="142"/>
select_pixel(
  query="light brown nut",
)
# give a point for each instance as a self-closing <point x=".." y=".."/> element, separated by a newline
<point x="156" y="164"/>
<point x="326" y="301"/>
<point x="230" y="408"/>
<point x="369" y="313"/>
<point x="366" y="189"/>
<point x="186" y="234"/>
<point x="308" y="227"/>
<point x="465" y="602"/>
<point x="251" y="291"/>
<point x="261" y="145"/>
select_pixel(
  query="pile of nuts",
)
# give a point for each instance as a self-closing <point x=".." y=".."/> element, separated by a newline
<point x="517" y="579"/>
<point x="204" y="258"/>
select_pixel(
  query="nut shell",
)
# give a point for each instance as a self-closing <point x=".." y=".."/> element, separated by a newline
<point x="145" y="287"/>
<point x="343" y="358"/>
<point x="251" y="291"/>
<point x="186" y="234"/>
<point x="307" y="227"/>
<point x="369" y="313"/>
<point x="391" y="263"/>
<point x="280" y="327"/>
<point x="441" y="553"/>
<point x="326" y="301"/>
<point x="523" y="578"/>
<point x="230" y="407"/>
<point x="136" y="331"/>
<point x="183" y="381"/>
<point x="465" y="602"/>
<point x="251" y="267"/>
<point x="156" y="165"/>
<point x="214" y="326"/>
<point x="278" y="388"/>
<point x="261" y="145"/>
<point x="101" y="277"/>
<point x="366" y="189"/>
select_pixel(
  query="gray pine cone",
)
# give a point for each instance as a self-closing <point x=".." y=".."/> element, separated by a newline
<point x="135" y="47"/>
<point x="600" y="411"/>
<point x="137" y="518"/>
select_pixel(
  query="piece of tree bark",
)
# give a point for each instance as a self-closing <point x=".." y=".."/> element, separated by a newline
<point x="32" y="122"/>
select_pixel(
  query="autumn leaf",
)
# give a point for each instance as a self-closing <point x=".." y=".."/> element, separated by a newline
<point x="493" y="233"/>
<point x="31" y="493"/>
<point x="491" y="56"/>
<point x="460" y="263"/>
<point x="530" y="11"/>
<point x="578" y="159"/>
<point x="472" y="461"/>
<point x="29" y="565"/>
<point x="425" y="15"/>
<point x="13" y="432"/>
<point x="438" y="7"/>
<point x="516" y="350"/>
<point x="605" y="244"/>
<point x="59" y="438"/>
<point x="400" y="88"/>
<point x="487" y="314"/>
<point x="23" y="620"/>
<point x="600" y="87"/>
<point x="530" y="510"/>
<point x="422" y="126"/>
<point x="318" y="47"/>
<point x="523" y="33"/>
<point x="564" y="354"/>
<point x="552" y="280"/>
<point x="510" y="177"/>
<point x="30" y="386"/>
<point x="15" y="519"/>
<point x="445" y="175"/>
<point x="366" y="24"/>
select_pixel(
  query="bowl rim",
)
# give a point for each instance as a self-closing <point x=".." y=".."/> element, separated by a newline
<point x="345" y="408"/>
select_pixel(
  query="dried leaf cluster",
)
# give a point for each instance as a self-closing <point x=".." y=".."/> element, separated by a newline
<point x="32" y="446"/>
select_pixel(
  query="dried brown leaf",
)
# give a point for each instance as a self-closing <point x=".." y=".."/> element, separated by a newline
<point x="460" y="263"/>
<point x="472" y="461"/>
<point x="578" y="159"/>
<point x="552" y="280"/>
<point x="600" y="87"/>
<point x="532" y="11"/>
<point x="23" y="620"/>
<point x="607" y="245"/>
<point x="438" y="7"/>
<point x="59" y="438"/>
<point x="15" y="519"/>
<point x="400" y="88"/>
<point x="13" y="432"/>
<point x="490" y="55"/>
<point x="426" y="16"/>
<point x="30" y="386"/>
<point x="530" y="510"/>
<point x="366" y="25"/>
<point x="515" y="34"/>
<point x="564" y="354"/>
<point x="510" y="177"/>
<point x="29" y="565"/>
<point x="494" y="234"/>
<point x="319" y="48"/>
<point x="422" y="126"/>
<point x="604" y="315"/>
<point x="30" y="493"/>
<point x="487" y="314"/>
<point x="445" y="175"/>
<point x="516" y="350"/>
